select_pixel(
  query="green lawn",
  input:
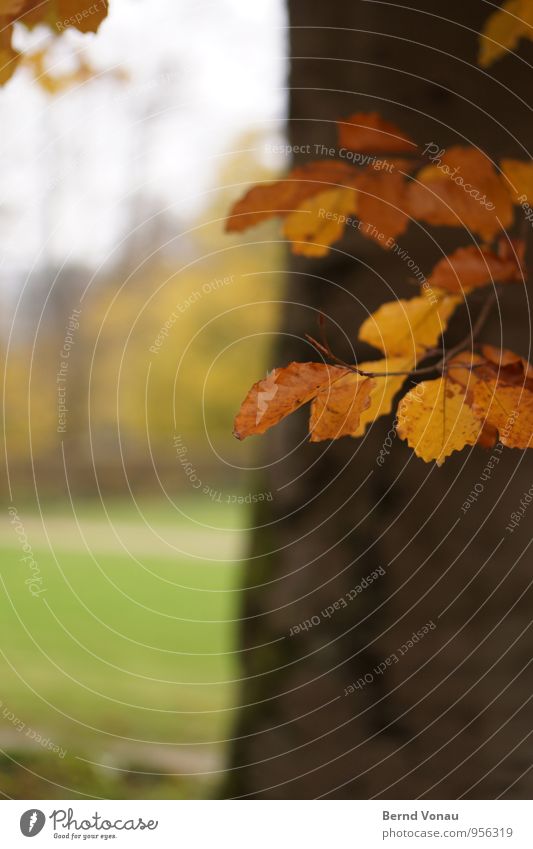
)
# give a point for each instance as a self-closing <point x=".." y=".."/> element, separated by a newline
<point x="126" y="660"/>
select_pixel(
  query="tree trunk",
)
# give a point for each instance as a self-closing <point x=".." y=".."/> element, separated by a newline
<point x="450" y="715"/>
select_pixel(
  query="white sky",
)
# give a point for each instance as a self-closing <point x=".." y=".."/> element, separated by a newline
<point x="67" y="163"/>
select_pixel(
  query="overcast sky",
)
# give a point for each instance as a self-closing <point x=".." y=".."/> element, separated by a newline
<point x="201" y="74"/>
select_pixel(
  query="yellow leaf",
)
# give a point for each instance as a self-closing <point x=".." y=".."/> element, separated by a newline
<point x="503" y="30"/>
<point x="408" y="327"/>
<point x="336" y="410"/>
<point x="520" y="176"/>
<point x="320" y="221"/>
<point x="435" y="420"/>
<point x="385" y="388"/>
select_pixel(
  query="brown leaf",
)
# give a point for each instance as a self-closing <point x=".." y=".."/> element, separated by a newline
<point x="268" y="200"/>
<point x="368" y="132"/>
<point x="472" y="267"/>
<point x="463" y="189"/>
<point x="510" y="369"/>
<point x="59" y="15"/>
<point x="8" y="56"/>
<point x="281" y="393"/>
<point x="336" y="411"/>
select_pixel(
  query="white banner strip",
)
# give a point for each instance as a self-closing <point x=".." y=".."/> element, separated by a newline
<point x="267" y="824"/>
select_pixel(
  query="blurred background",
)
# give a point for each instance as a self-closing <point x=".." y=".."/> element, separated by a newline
<point x="126" y="317"/>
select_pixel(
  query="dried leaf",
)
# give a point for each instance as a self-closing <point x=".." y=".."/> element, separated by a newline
<point x="8" y="56"/>
<point x="503" y="30"/>
<point x="435" y="420"/>
<point x="59" y="15"/>
<point x="368" y="132"/>
<point x="463" y="189"/>
<point x="336" y="411"/>
<point x="408" y="327"/>
<point x="9" y="8"/>
<point x="472" y="267"/>
<point x="320" y="221"/>
<point x="512" y="369"/>
<point x="281" y="393"/>
<point x="268" y="200"/>
<point x="520" y="177"/>
<point x="507" y="408"/>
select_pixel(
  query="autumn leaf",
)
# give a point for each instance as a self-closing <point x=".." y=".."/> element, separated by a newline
<point x="408" y="327"/>
<point x="504" y="29"/>
<point x="320" y="221"/>
<point x="385" y="388"/>
<point x="471" y="267"/>
<point x="9" y="8"/>
<point x="268" y="200"/>
<point x="499" y="389"/>
<point x="520" y="177"/>
<point x="368" y="132"/>
<point x="8" y="56"/>
<point x="435" y="420"/>
<point x="463" y="189"/>
<point x="492" y="364"/>
<point x="59" y="15"/>
<point x="510" y="369"/>
<point x="336" y="411"/>
<point x="507" y="408"/>
<point x="381" y="203"/>
<point x="281" y="393"/>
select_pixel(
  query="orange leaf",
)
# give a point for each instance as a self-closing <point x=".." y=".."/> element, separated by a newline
<point x="281" y="393"/>
<point x="336" y="411"/>
<point x="520" y="176"/>
<point x="268" y="200"/>
<point x="507" y="408"/>
<point x="369" y="132"/>
<point x="462" y="189"/>
<point x="499" y="389"/>
<point x="381" y="207"/>
<point x="472" y="267"/>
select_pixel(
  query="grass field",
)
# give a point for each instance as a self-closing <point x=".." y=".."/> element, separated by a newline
<point x="118" y="678"/>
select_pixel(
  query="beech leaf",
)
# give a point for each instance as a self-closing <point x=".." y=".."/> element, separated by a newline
<point x="435" y="420"/>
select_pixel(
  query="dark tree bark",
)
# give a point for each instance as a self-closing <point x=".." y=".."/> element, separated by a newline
<point x="453" y="716"/>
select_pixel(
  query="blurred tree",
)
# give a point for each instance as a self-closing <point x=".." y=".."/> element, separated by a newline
<point x="451" y="718"/>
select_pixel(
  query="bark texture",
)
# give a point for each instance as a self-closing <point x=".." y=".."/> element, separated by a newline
<point x="453" y="716"/>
